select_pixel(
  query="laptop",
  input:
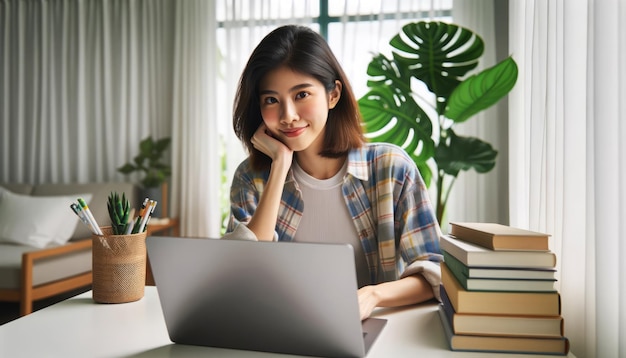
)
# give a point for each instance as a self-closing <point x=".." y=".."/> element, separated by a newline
<point x="281" y="297"/>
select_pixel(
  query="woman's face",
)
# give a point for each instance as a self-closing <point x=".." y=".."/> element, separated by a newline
<point x="294" y="107"/>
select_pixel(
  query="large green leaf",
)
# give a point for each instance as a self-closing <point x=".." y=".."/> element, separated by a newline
<point x="481" y="91"/>
<point x="458" y="153"/>
<point x="392" y="116"/>
<point x="386" y="72"/>
<point x="438" y="54"/>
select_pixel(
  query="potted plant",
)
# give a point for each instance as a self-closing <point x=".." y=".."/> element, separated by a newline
<point x="439" y="55"/>
<point x="150" y="162"/>
<point x="119" y="213"/>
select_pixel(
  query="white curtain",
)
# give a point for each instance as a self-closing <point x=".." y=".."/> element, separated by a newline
<point x="196" y="154"/>
<point x="475" y="196"/>
<point x="81" y="82"/>
<point x="568" y="157"/>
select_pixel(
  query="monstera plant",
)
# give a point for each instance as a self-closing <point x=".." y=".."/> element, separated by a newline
<point x="440" y="56"/>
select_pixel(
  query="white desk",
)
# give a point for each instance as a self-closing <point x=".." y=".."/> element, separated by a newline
<point x="78" y="327"/>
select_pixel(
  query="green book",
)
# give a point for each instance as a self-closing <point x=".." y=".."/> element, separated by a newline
<point x="517" y="282"/>
<point x="499" y="272"/>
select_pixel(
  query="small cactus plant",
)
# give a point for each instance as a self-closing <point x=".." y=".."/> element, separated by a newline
<point x="119" y="211"/>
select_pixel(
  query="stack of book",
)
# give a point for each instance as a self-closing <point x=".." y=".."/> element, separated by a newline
<point x="499" y="291"/>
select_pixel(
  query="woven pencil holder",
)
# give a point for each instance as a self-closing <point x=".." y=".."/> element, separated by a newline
<point x="119" y="267"/>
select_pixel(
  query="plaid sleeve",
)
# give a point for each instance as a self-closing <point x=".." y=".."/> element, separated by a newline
<point x="417" y="226"/>
<point x="244" y="196"/>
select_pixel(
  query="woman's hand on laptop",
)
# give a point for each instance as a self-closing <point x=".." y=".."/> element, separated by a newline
<point x="405" y="291"/>
<point x="367" y="300"/>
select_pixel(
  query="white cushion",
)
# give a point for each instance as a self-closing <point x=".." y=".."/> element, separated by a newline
<point x="37" y="221"/>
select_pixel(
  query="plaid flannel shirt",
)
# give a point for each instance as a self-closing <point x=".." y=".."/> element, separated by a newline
<point x="387" y="199"/>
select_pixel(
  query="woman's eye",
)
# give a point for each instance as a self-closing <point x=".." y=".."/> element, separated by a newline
<point x="301" y="95"/>
<point x="269" y="100"/>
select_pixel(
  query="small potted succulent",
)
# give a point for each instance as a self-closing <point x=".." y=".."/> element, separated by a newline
<point x="119" y="212"/>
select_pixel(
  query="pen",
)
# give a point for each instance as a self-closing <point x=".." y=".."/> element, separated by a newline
<point x="84" y="217"/>
<point x="141" y="213"/>
<point x="144" y="217"/>
<point x="89" y="216"/>
<point x="153" y="205"/>
<point x="79" y="213"/>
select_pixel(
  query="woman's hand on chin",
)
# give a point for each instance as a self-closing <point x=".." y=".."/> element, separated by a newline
<point x="272" y="147"/>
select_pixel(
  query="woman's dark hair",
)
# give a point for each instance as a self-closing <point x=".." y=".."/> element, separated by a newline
<point x="302" y="50"/>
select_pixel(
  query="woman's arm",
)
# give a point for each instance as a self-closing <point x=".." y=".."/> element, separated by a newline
<point x="405" y="291"/>
<point x="263" y="221"/>
<point x="415" y="233"/>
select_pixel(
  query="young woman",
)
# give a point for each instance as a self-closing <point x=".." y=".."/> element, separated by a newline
<point x="311" y="176"/>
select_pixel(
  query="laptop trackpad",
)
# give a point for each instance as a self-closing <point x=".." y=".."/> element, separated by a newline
<point x="371" y="329"/>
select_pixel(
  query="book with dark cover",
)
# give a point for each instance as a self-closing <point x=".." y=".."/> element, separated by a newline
<point x="521" y="273"/>
<point x="460" y="272"/>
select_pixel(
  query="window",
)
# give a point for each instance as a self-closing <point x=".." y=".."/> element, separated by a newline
<point x="354" y="28"/>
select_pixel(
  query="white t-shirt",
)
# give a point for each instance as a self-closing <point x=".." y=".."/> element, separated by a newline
<point x="326" y="218"/>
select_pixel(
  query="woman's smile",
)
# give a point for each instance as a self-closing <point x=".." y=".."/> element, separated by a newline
<point x="294" y="132"/>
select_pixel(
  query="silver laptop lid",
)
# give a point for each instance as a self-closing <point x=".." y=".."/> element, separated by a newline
<point x="297" y="298"/>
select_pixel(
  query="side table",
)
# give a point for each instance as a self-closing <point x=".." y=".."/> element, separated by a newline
<point x="172" y="224"/>
<point x="171" y="227"/>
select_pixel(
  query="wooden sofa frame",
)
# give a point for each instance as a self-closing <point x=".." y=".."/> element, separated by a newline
<point x="28" y="293"/>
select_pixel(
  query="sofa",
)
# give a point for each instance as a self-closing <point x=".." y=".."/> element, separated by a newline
<point x="45" y="250"/>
